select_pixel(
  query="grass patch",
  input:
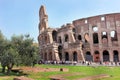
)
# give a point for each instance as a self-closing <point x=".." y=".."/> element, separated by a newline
<point x="82" y="71"/>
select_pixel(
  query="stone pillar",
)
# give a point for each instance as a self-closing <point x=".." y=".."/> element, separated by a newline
<point x="109" y="39"/>
<point x="70" y="56"/>
<point x="71" y="37"/>
<point x="111" y="55"/>
<point x="101" y="55"/>
<point x="91" y="39"/>
<point x="99" y="36"/>
<point x="62" y="37"/>
<point x="63" y="56"/>
<point x="50" y="38"/>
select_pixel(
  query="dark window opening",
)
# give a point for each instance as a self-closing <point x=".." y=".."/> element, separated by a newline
<point x="54" y="35"/>
<point x="75" y="56"/>
<point x="60" y="52"/>
<point x="95" y="38"/>
<point x="79" y="37"/>
<point x="74" y="30"/>
<point x="88" y="56"/>
<point x="66" y="56"/>
<point x="66" y="38"/>
<point x="59" y="39"/>
<point x="115" y="56"/>
<point x="104" y="35"/>
<point x="113" y="35"/>
<point x="105" y="56"/>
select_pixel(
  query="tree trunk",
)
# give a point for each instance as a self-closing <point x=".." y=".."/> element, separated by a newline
<point x="9" y="68"/>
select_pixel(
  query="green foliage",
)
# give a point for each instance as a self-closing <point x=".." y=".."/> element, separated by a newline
<point x="25" y="49"/>
<point x="17" y="51"/>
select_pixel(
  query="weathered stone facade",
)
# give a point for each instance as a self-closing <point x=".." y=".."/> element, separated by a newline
<point x="94" y="38"/>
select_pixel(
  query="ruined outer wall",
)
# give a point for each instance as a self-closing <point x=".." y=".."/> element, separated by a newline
<point x="104" y="23"/>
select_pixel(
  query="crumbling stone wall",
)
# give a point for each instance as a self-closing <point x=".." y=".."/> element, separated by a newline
<point x="94" y="38"/>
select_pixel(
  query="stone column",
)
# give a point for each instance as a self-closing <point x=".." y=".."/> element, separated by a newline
<point x="50" y="38"/>
<point x="111" y="55"/>
<point x="101" y="55"/>
<point x="109" y="39"/>
<point x="70" y="55"/>
<point x="99" y="36"/>
<point x="91" y="39"/>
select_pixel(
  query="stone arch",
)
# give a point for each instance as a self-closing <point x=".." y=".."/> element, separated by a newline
<point x="88" y="56"/>
<point x="115" y="56"/>
<point x="106" y="56"/>
<point x="66" y="56"/>
<point x="96" y="56"/>
<point x="95" y="38"/>
<point x="54" y="35"/>
<point x="60" y="51"/>
<point x="75" y="56"/>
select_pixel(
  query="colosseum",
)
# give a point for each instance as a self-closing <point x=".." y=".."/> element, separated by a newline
<point x="95" y="38"/>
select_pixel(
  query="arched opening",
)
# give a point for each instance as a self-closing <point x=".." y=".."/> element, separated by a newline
<point x="74" y="30"/>
<point x="59" y="39"/>
<point x="54" y="35"/>
<point x="104" y="37"/>
<point x="115" y="56"/>
<point x="96" y="56"/>
<point x="106" y="56"/>
<point x="75" y="56"/>
<point x="60" y="52"/>
<point x="95" y="28"/>
<point x="50" y="56"/>
<point x="66" y="38"/>
<point x="113" y="35"/>
<point x="95" y="38"/>
<point x="79" y="37"/>
<point x="88" y="56"/>
<point x="45" y="57"/>
<point x="66" y="56"/>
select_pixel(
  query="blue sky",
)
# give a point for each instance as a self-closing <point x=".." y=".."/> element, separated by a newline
<point x="22" y="16"/>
